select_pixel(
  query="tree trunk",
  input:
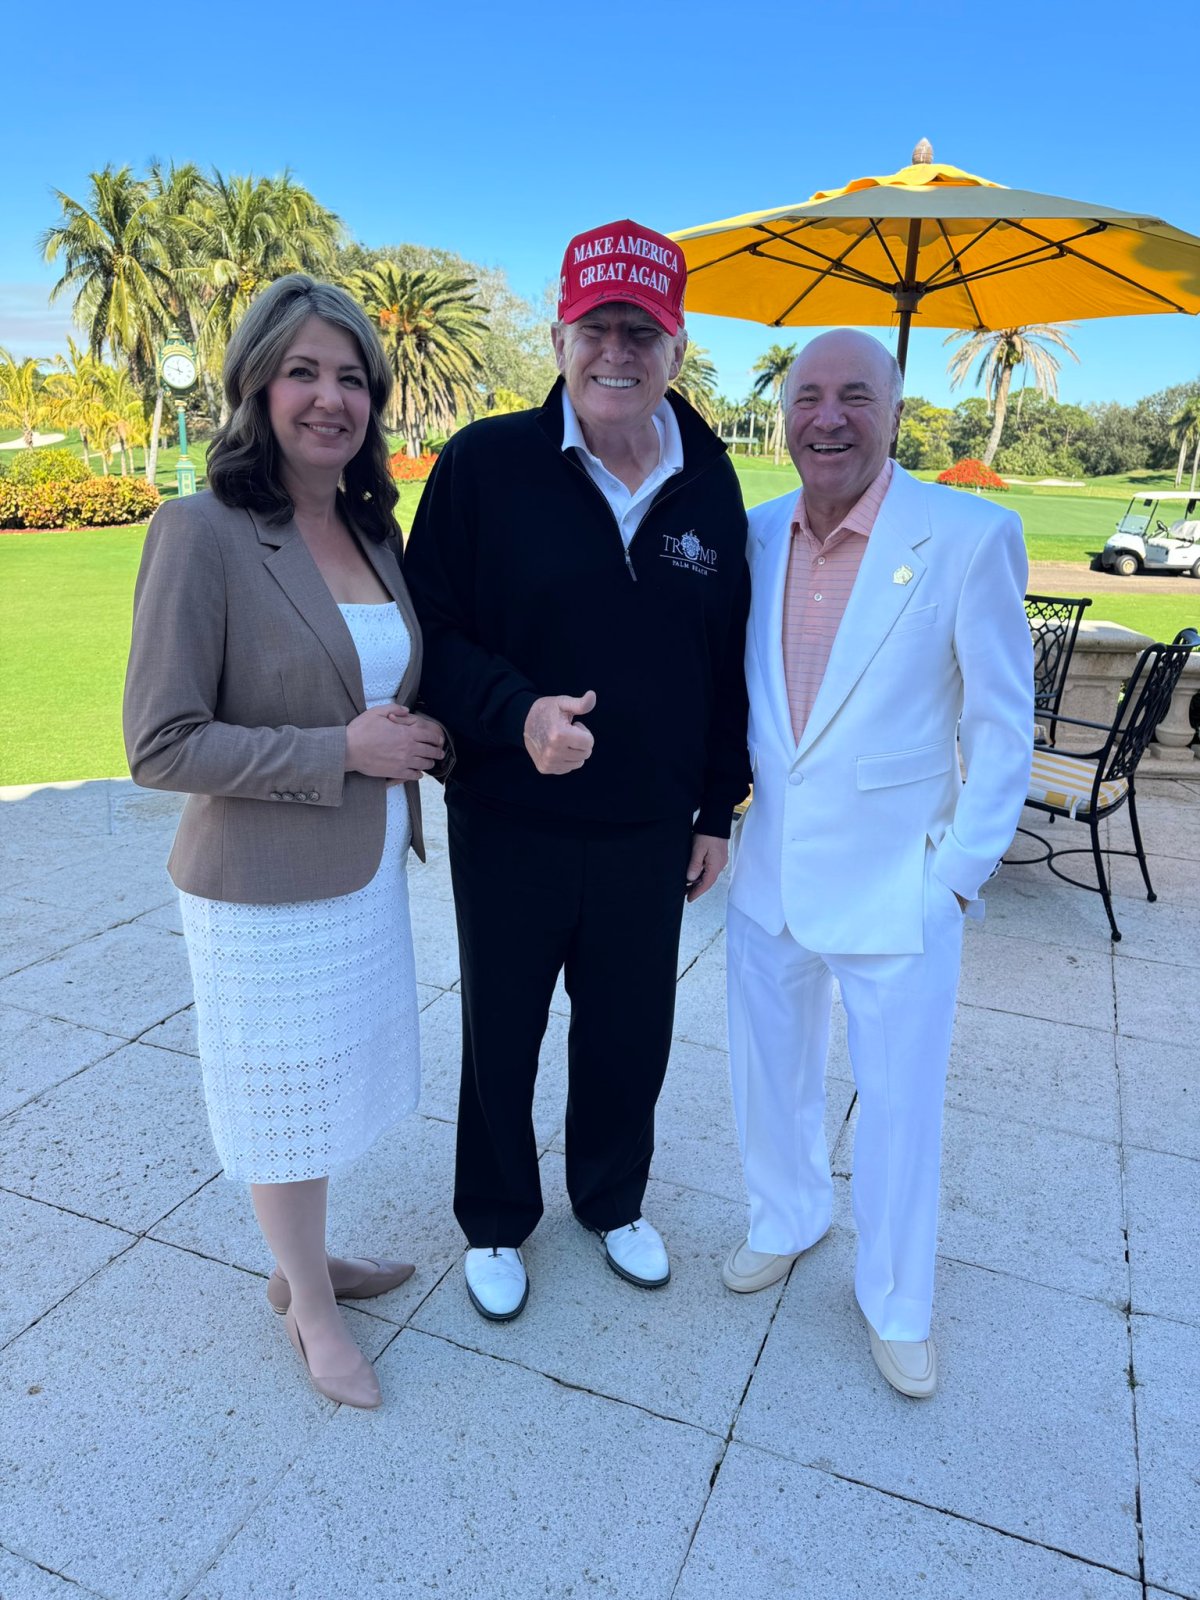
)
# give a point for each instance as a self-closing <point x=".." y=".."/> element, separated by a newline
<point x="1183" y="444"/>
<point x="993" y="444"/>
<point x="1195" y="463"/>
<point x="777" y="435"/>
<point x="155" y="425"/>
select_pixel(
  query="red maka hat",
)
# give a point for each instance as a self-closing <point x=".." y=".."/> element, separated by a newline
<point x="623" y="261"/>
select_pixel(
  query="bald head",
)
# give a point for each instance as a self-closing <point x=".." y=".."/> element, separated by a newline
<point x="849" y="347"/>
<point x="841" y="407"/>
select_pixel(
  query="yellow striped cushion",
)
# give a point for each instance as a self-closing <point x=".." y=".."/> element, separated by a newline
<point x="1065" y="782"/>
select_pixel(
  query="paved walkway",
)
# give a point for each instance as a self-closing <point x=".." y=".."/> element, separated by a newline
<point x="157" y="1438"/>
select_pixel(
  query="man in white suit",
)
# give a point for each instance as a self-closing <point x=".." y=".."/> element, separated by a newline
<point x="886" y="619"/>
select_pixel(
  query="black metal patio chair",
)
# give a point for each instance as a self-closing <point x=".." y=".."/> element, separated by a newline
<point x="1087" y="786"/>
<point x="1054" y="626"/>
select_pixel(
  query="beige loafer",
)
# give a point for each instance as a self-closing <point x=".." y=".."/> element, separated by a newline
<point x="747" y="1270"/>
<point x="381" y="1277"/>
<point x="909" y="1365"/>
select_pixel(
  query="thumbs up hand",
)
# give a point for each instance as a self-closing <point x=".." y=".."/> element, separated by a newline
<point x="555" y="741"/>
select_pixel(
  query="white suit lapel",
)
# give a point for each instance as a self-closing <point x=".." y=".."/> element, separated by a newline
<point x="772" y="531"/>
<point x="877" y="600"/>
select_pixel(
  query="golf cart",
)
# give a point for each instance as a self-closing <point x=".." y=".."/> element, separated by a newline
<point x="1175" y="549"/>
<point x="1178" y="549"/>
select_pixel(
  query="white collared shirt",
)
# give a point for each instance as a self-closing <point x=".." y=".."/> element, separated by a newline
<point x="628" y="506"/>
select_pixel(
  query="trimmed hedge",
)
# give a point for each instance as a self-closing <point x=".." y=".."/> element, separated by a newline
<point x="92" y="503"/>
<point x="42" y="466"/>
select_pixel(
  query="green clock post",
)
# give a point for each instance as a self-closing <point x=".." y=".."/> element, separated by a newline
<point x="177" y="368"/>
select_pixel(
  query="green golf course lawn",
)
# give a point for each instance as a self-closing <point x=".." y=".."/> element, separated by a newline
<point x="66" y="597"/>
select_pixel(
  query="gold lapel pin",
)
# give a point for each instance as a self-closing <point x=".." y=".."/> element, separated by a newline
<point x="902" y="575"/>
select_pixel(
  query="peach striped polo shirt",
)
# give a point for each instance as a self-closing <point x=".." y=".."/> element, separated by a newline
<point x="820" y="576"/>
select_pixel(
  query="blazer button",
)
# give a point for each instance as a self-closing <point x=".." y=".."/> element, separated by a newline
<point x="795" y="777"/>
<point x="314" y="795"/>
<point x="275" y="795"/>
<point x="287" y="795"/>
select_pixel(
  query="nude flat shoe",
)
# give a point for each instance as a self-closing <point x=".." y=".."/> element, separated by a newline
<point x="356" y="1387"/>
<point x="384" y="1276"/>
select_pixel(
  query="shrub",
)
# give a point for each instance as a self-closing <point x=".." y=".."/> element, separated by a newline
<point x="94" y="503"/>
<point x="46" y="466"/>
<point x="411" y="469"/>
<point x="970" y="474"/>
<point x="10" y="505"/>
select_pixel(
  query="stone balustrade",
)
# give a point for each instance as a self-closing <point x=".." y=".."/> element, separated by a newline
<point x="1105" y="653"/>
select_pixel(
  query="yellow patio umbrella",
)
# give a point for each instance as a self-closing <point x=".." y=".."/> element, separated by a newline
<point x="937" y="244"/>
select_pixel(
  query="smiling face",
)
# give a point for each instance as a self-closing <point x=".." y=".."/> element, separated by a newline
<point x="318" y="403"/>
<point x="841" y="415"/>
<point x="617" y="363"/>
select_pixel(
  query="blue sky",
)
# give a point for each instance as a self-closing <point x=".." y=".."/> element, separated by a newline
<point x="499" y="130"/>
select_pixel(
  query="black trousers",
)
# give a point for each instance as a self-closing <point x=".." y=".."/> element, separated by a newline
<point x="603" y="907"/>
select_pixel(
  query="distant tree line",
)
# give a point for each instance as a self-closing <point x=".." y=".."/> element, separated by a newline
<point x="1042" y="437"/>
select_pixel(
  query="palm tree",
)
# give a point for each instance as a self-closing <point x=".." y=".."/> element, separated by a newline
<point x="243" y="234"/>
<point x="1000" y="352"/>
<point x="1185" y="430"/>
<point x="124" y="414"/>
<point x="432" y="329"/>
<point x="118" y="261"/>
<point x="696" y="381"/>
<point x="21" y="402"/>
<point x="177" y="191"/>
<point x="773" y="369"/>
<point x="74" y="396"/>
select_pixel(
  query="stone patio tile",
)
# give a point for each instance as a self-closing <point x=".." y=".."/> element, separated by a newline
<point x="395" y="1202"/>
<point x="435" y="939"/>
<point x="1155" y="1003"/>
<point x="177" y="1033"/>
<point x="47" y="1254"/>
<point x="167" y="916"/>
<point x="38" y="1052"/>
<point x="683" y="1351"/>
<point x="839" y="1539"/>
<point x="1029" y="903"/>
<point x="441" y="1068"/>
<point x="142" y="811"/>
<point x="1176" y="881"/>
<point x="116" y="878"/>
<point x="129" y="1459"/>
<point x="29" y="931"/>
<point x="1035" y="1202"/>
<point x="122" y="1142"/>
<point x="1036" y="980"/>
<point x="700" y="1001"/>
<point x="695" y="1139"/>
<point x="1160" y="1097"/>
<point x="1162" y="1198"/>
<point x="450" y="1490"/>
<point x="1166" y="1364"/>
<point x="1054" y="1074"/>
<point x="21" y="1580"/>
<point x="1061" y="1472"/>
<point x="123" y="981"/>
<point x="1168" y="823"/>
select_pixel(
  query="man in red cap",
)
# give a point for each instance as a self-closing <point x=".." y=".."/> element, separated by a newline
<point x="580" y="577"/>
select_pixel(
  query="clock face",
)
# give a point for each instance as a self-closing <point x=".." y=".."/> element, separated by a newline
<point x="179" y="371"/>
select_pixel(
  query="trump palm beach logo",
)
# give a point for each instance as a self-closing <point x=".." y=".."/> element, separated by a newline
<point x="686" y="550"/>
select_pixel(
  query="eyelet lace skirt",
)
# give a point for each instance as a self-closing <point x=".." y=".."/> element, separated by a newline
<point x="307" y="1012"/>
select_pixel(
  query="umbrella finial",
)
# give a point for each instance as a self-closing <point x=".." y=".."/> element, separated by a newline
<point x="922" y="156"/>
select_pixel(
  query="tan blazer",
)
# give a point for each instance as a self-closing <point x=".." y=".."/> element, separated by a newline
<point x="242" y="677"/>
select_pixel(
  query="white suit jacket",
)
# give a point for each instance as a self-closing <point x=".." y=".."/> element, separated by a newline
<point x="834" y="844"/>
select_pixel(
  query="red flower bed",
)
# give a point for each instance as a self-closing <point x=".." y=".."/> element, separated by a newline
<point x="970" y="474"/>
<point x="411" y="469"/>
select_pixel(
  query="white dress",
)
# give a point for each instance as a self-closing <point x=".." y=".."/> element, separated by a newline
<point x="307" y="1012"/>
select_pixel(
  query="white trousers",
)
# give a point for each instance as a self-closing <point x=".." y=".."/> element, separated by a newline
<point x="900" y="1011"/>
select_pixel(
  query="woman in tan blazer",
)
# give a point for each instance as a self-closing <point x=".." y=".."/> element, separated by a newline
<point x="274" y="663"/>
